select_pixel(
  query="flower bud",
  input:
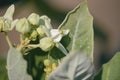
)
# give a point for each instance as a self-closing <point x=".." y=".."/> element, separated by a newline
<point x="47" y="21"/>
<point x="33" y="35"/>
<point x="47" y="62"/>
<point x="41" y="32"/>
<point x="54" y="66"/>
<point x="34" y="19"/>
<point x="23" y="26"/>
<point x="46" y="44"/>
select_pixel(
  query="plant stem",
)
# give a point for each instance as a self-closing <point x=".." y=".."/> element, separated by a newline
<point x="33" y="45"/>
<point x="8" y="40"/>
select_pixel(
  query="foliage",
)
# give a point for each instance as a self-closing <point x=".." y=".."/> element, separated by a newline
<point x="44" y="53"/>
<point x="110" y="70"/>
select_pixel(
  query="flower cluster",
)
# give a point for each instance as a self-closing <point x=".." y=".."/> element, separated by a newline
<point x="31" y="29"/>
<point x="34" y="27"/>
<point x="40" y="27"/>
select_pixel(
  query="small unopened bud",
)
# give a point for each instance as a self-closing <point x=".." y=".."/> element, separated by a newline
<point x="48" y="71"/>
<point x="46" y="44"/>
<point x="33" y="35"/>
<point x="41" y="32"/>
<point x="23" y="26"/>
<point x="54" y="66"/>
<point x="34" y="19"/>
<point x="47" y="62"/>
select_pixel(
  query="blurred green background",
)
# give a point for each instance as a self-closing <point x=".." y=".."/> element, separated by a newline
<point x="106" y="15"/>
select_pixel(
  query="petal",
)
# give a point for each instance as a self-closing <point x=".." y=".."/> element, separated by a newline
<point x="55" y="34"/>
<point x="9" y="13"/>
<point x="58" y="38"/>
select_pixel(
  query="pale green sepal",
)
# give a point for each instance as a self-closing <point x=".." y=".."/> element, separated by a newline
<point x="62" y="48"/>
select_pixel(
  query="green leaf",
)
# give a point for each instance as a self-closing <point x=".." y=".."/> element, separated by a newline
<point x="80" y="23"/>
<point x="3" y="70"/>
<point x="110" y="70"/>
<point x="75" y="66"/>
<point x="17" y="66"/>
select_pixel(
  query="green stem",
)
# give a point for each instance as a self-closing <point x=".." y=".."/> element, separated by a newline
<point x="33" y="45"/>
<point x="8" y="40"/>
<point x="49" y="54"/>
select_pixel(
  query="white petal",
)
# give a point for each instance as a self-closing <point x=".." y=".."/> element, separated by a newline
<point x="58" y="38"/>
<point x="55" y="34"/>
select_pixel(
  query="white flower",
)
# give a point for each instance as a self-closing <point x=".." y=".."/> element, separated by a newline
<point x="57" y="34"/>
<point x="52" y="36"/>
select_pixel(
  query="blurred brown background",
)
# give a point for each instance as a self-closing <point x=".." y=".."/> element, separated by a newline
<point x="106" y="15"/>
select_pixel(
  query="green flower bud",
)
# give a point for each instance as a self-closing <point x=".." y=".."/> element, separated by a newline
<point x="46" y="44"/>
<point x="47" y="62"/>
<point x="23" y="26"/>
<point x="33" y="35"/>
<point x="34" y="19"/>
<point x="41" y="32"/>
